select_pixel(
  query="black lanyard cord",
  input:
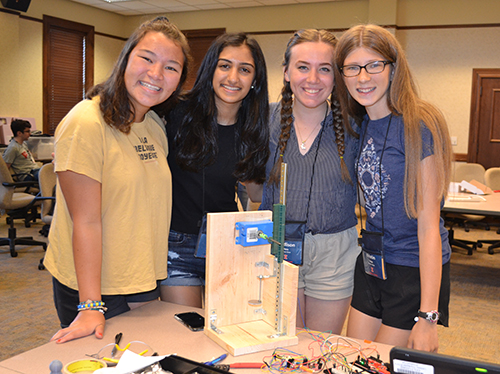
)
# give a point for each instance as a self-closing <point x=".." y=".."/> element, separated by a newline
<point x="323" y="125"/>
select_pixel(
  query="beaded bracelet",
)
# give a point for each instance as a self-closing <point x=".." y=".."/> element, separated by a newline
<point x="92" y="305"/>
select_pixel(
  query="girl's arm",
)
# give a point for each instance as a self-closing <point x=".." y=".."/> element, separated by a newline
<point x="83" y="198"/>
<point x="254" y="191"/>
<point x="424" y="334"/>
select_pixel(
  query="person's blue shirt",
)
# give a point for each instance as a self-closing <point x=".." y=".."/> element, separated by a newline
<point x="387" y="181"/>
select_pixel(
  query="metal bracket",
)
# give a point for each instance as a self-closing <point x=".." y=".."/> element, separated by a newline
<point x="261" y="264"/>
<point x="213" y="321"/>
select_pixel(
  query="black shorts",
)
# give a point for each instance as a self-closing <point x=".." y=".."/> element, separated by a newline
<point x="396" y="300"/>
<point x="66" y="300"/>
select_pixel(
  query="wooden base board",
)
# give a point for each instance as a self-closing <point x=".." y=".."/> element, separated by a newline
<point x="249" y="337"/>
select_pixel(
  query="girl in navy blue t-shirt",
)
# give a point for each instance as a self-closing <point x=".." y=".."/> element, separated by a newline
<point x="401" y="286"/>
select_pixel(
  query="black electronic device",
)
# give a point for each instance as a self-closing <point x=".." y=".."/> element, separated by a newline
<point x="21" y="5"/>
<point x="180" y="365"/>
<point x="192" y="320"/>
<point x="405" y="360"/>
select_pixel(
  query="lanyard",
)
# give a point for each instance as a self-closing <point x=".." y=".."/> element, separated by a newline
<point x="313" y="165"/>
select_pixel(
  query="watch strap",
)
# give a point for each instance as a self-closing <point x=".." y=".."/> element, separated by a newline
<point x="432" y="316"/>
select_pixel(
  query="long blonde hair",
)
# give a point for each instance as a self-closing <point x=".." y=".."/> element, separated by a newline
<point x="403" y="99"/>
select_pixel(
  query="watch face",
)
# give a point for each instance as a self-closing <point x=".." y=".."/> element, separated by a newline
<point x="432" y="316"/>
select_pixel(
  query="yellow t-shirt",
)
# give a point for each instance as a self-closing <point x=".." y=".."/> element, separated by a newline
<point x="136" y="199"/>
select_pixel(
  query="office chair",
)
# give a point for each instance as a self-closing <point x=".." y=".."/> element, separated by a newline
<point x="468" y="172"/>
<point x="18" y="177"/>
<point x="492" y="180"/>
<point x="47" y="180"/>
<point x="18" y="205"/>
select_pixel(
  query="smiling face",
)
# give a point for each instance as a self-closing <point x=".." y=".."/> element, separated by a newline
<point x="233" y="76"/>
<point x="153" y="72"/>
<point x="369" y="90"/>
<point x="310" y="73"/>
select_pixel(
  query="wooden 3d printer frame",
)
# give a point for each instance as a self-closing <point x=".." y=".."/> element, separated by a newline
<point x="243" y="299"/>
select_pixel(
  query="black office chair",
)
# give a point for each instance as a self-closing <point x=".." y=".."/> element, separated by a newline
<point x="20" y="177"/>
<point x="469" y="245"/>
<point x="18" y="205"/>
<point x="492" y="179"/>
<point x="464" y="171"/>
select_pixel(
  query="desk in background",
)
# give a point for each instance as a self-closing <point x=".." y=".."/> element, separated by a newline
<point x="481" y="205"/>
<point x="155" y="325"/>
<point x="490" y="206"/>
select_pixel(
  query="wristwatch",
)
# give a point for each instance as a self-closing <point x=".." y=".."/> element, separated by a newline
<point x="432" y="316"/>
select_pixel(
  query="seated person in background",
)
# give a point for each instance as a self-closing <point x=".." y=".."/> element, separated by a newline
<point x="17" y="153"/>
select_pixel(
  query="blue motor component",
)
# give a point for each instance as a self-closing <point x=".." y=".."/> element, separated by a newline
<point x="248" y="232"/>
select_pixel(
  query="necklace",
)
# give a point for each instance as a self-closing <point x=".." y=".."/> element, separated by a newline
<point x="303" y="142"/>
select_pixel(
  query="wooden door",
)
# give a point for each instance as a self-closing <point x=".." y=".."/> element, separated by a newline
<point x="484" y="131"/>
<point x="199" y="41"/>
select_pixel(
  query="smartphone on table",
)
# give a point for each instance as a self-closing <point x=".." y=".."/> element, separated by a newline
<point x="192" y="320"/>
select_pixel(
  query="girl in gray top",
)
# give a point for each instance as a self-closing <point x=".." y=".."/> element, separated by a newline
<point x="308" y="134"/>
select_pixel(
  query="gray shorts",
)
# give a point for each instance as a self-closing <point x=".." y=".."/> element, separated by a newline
<point x="329" y="260"/>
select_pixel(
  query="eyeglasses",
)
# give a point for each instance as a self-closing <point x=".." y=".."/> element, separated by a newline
<point x="375" y="67"/>
<point x="27" y="131"/>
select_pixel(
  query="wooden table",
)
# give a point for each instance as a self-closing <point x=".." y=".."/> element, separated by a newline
<point x="155" y="325"/>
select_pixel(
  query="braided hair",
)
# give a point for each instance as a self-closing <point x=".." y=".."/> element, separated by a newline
<point x="304" y="36"/>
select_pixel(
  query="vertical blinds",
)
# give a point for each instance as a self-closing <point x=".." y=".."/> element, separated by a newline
<point x="66" y="73"/>
<point x="68" y="67"/>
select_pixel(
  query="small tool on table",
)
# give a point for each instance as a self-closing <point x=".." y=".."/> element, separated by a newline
<point x="216" y="360"/>
<point x="240" y="365"/>
<point x="118" y="337"/>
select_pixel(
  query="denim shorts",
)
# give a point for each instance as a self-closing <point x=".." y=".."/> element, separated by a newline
<point x="328" y="269"/>
<point x="184" y="269"/>
<point x="66" y="300"/>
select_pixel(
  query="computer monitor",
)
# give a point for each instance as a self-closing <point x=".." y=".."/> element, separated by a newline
<point x="410" y="361"/>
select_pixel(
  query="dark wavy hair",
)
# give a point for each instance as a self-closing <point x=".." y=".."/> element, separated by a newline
<point x="197" y="136"/>
<point x="115" y="104"/>
<point x="308" y="36"/>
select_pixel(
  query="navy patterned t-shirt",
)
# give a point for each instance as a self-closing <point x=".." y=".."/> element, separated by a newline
<point x="383" y="188"/>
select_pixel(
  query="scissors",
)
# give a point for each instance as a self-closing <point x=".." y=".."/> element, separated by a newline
<point x="116" y="348"/>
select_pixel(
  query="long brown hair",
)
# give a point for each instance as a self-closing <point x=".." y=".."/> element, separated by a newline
<point x="115" y="103"/>
<point x="307" y="36"/>
<point x="403" y="99"/>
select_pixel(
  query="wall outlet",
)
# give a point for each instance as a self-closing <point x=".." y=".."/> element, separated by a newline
<point x="454" y="140"/>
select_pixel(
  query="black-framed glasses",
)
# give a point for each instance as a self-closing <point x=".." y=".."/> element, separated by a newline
<point x="375" y="67"/>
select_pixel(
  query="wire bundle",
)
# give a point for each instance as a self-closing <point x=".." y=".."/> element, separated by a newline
<point x="328" y="353"/>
